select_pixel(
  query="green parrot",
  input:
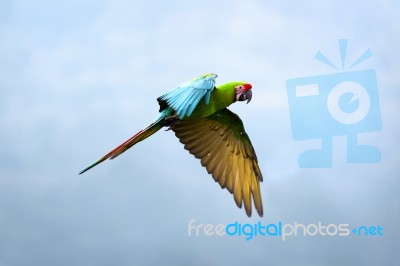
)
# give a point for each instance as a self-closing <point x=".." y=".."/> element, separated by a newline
<point x="197" y="112"/>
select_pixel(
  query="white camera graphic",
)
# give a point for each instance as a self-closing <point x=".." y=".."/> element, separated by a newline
<point x="324" y="106"/>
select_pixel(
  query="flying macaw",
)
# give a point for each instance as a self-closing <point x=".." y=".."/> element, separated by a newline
<point x="196" y="111"/>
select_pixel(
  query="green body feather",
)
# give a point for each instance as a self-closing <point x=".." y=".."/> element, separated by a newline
<point x="221" y="97"/>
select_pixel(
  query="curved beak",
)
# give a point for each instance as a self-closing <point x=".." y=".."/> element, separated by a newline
<point x="244" y="93"/>
<point x="248" y="95"/>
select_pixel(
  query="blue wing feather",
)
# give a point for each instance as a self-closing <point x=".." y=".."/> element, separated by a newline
<point x="186" y="101"/>
<point x="207" y="97"/>
<point x="184" y="98"/>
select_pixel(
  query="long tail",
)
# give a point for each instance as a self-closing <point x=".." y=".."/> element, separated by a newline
<point x="141" y="135"/>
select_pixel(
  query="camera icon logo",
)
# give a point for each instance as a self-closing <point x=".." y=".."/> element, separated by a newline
<point x="339" y="104"/>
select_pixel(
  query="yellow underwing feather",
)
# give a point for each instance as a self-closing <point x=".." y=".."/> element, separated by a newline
<point x="223" y="147"/>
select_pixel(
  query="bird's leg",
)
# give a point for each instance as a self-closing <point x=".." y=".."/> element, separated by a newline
<point x="171" y="121"/>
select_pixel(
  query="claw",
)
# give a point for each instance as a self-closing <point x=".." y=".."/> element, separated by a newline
<point x="171" y="121"/>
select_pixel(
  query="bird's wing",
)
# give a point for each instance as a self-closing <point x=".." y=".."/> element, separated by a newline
<point x="224" y="148"/>
<point x="184" y="98"/>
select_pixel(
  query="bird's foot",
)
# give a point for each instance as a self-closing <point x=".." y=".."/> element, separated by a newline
<point x="171" y="121"/>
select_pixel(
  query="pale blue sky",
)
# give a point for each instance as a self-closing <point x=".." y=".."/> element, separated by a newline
<point x="79" y="78"/>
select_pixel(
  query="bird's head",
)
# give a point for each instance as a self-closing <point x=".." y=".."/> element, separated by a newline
<point x="243" y="92"/>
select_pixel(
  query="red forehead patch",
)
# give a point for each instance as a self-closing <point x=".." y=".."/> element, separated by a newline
<point x="247" y="87"/>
